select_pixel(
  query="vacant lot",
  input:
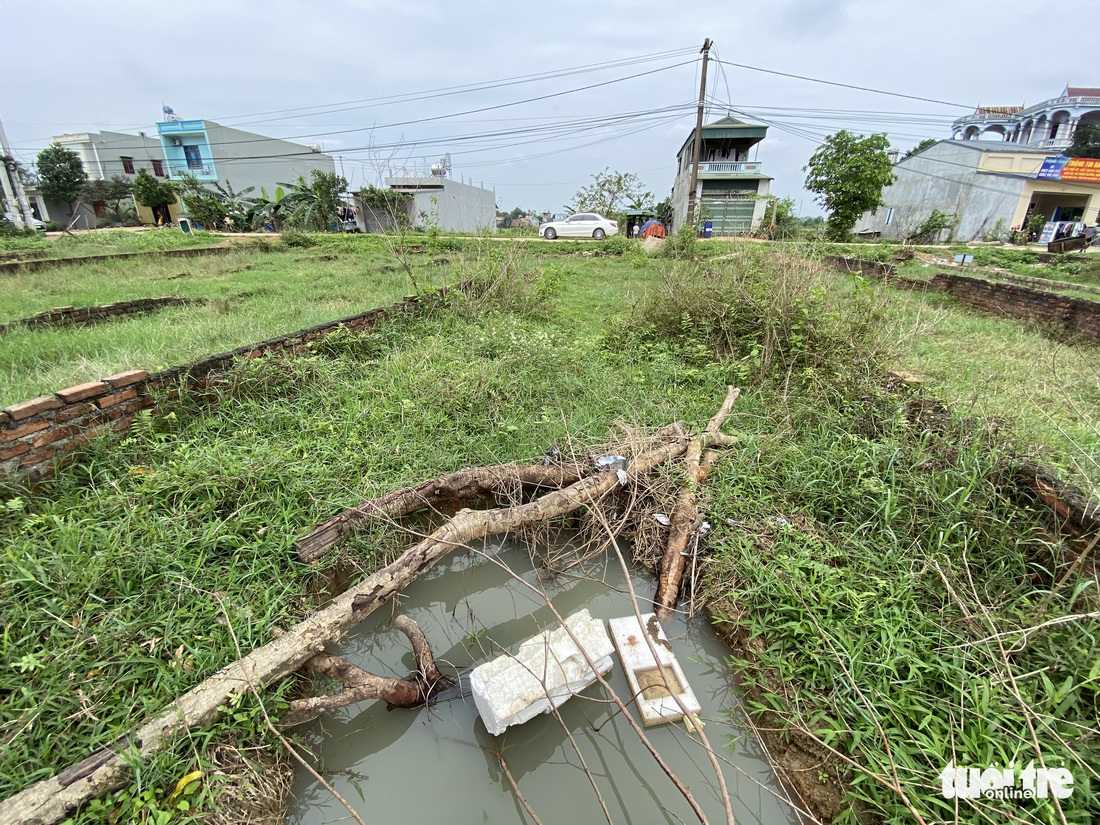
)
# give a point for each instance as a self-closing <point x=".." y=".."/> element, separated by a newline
<point x="887" y="599"/>
<point x="246" y="296"/>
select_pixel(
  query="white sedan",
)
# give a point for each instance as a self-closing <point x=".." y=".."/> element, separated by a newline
<point x="581" y="225"/>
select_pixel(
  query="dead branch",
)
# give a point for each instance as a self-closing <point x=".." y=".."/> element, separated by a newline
<point x="462" y="486"/>
<point x="685" y="518"/>
<point x="53" y="799"/>
<point x="360" y="685"/>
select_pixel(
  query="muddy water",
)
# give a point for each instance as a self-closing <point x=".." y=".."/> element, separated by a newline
<point x="438" y="764"/>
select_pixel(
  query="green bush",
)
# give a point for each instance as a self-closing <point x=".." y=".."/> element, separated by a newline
<point x="683" y="244"/>
<point x="297" y="240"/>
<point x="768" y="312"/>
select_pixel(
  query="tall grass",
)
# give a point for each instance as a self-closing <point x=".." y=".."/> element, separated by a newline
<point x="249" y="296"/>
<point x="106" y="241"/>
<point x="873" y="561"/>
<point x="897" y="606"/>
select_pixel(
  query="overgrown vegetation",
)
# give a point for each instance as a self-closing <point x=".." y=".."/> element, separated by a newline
<point x="868" y="555"/>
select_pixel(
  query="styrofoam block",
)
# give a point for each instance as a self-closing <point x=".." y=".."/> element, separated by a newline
<point x="541" y="674"/>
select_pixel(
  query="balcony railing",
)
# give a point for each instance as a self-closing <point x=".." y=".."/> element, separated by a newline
<point x="729" y="167"/>
<point x="1053" y="143"/>
<point x="1054" y="102"/>
<point x="206" y="170"/>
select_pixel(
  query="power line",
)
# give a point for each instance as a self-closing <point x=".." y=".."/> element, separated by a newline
<point x="847" y="85"/>
<point x="435" y="118"/>
<point x="447" y="91"/>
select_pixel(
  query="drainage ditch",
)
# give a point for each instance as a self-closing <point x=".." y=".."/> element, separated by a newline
<point x="438" y="763"/>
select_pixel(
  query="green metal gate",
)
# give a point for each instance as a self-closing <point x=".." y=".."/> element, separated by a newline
<point x="731" y="215"/>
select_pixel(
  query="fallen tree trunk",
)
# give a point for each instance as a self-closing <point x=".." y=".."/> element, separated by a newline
<point x="460" y="486"/>
<point x="685" y="518"/>
<point x="51" y="800"/>
<point x="359" y="685"/>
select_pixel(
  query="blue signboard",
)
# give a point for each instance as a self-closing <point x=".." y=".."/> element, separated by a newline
<point x="1052" y="168"/>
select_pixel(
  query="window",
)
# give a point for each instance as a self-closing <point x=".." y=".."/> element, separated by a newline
<point x="128" y="165"/>
<point x="158" y="168"/>
<point x="194" y="159"/>
<point x="889" y="216"/>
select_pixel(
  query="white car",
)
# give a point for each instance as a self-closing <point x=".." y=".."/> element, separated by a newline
<point x="581" y="225"/>
<point x="35" y="223"/>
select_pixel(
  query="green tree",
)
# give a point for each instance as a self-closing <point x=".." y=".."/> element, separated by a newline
<point x="610" y="193"/>
<point x="61" y="175"/>
<point x="203" y="206"/>
<point x="237" y="206"/>
<point x="779" y="219"/>
<point x="848" y="173"/>
<point x="265" y="209"/>
<point x="113" y="194"/>
<point x="155" y="194"/>
<point x="664" y="211"/>
<point x="1086" y="142"/>
<point x="316" y="204"/>
<point x="920" y="147"/>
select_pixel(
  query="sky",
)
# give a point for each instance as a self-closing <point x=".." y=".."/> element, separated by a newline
<point x="532" y="99"/>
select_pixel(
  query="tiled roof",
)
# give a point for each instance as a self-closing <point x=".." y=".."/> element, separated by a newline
<point x="1082" y="91"/>
<point x="999" y="110"/>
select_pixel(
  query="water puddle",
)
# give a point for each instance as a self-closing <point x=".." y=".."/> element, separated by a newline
<point x="439" y="764"/>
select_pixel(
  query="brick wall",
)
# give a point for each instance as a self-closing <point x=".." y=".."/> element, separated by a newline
<point x="1068" y="317"/>
<point x="32" y="262"/>
<point x="1077" y="318"/>
<point x="35" y="434"/>
<point x="82" y="316"/>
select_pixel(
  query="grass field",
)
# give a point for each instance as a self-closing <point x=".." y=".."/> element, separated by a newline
<point x="249" y="296"/>
<point x="102" y="242"/>
<point x="895" y="602"/>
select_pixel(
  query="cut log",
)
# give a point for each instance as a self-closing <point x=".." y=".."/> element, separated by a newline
<point x="685" y="519"/>
<point x="52" y="800"/>
<point x="436" y="493"/>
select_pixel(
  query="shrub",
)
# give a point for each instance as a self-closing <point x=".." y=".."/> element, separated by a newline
<point x="297" y="240"/>
<point x="496" y="278"/>
<point x="768" y="312"/>
<point x="929" y="230"/>
<point x="682" y="245"/>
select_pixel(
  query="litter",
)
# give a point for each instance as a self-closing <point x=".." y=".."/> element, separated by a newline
<point x="655" y="680"/>
<point x="542" y="673"/>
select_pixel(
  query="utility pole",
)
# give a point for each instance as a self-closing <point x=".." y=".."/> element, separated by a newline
<point x="11" y="180"/>
<point x="696" y="146"/>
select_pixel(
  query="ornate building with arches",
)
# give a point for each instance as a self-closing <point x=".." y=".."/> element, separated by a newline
<point x="1049" y="125"/>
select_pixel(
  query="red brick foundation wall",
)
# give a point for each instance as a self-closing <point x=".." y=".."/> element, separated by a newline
<point x="82" y="316"/>
<point x="36" y="434"/>
<point x="1069" y="317"/>
<point x="1075" y="318"/>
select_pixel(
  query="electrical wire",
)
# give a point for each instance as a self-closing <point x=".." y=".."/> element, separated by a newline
<point x="847" y="85"/>
<point x="389" y="100"/>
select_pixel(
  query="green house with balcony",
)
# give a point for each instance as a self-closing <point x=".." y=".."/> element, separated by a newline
<point x="731" y="187"/>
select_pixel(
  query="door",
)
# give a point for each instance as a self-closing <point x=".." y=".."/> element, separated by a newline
<point x="575" y="226"/>
<point x="194" y="158"/>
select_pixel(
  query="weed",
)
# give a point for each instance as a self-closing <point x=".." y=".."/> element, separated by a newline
<point x="770" y="314"/>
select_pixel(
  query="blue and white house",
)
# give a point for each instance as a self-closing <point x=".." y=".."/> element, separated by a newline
<point x="212" y="152"/>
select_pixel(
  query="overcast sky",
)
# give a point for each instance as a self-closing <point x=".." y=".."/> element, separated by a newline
<point x="111" y="64"/>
